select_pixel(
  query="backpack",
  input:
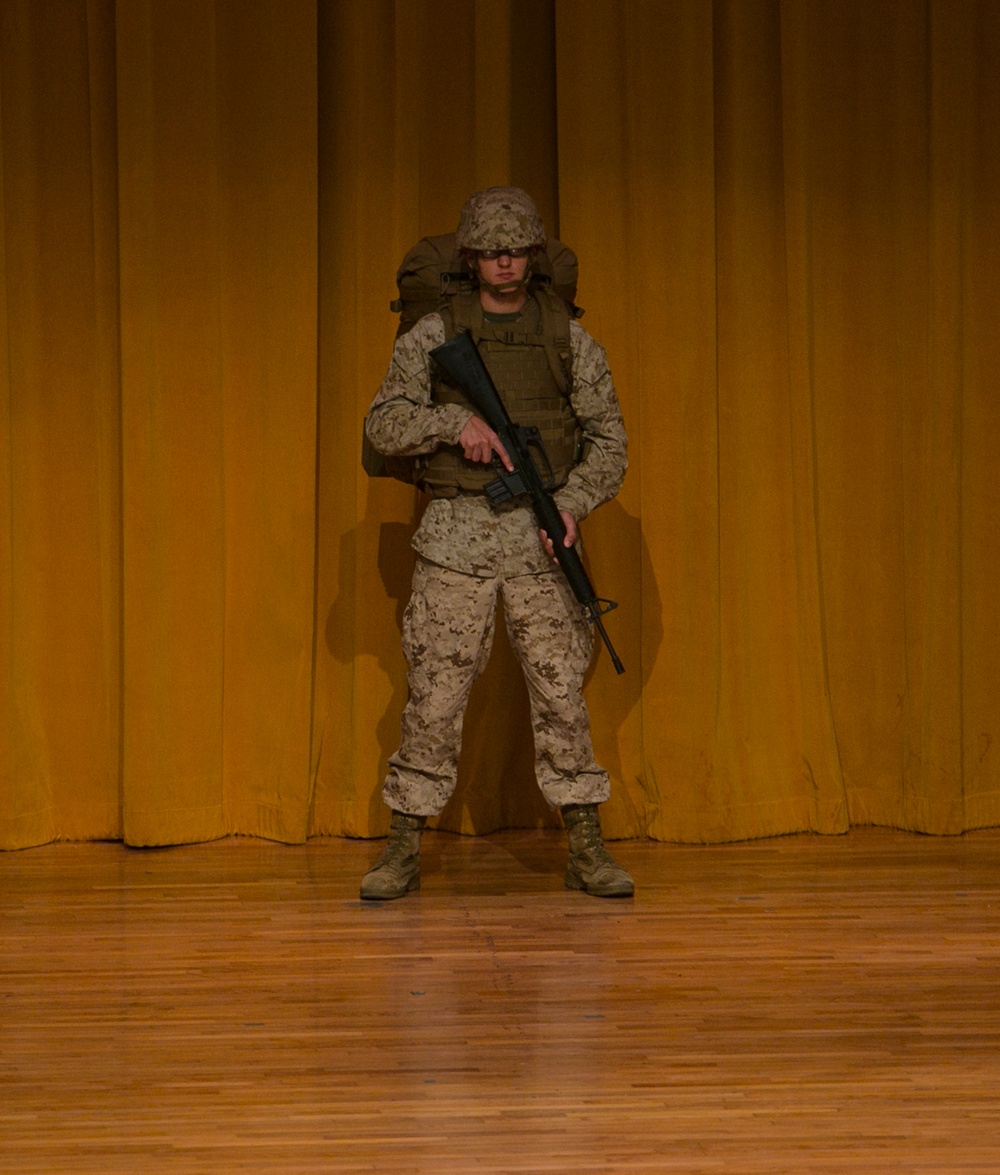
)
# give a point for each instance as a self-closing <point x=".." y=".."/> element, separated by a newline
<point x="430" y="277"/>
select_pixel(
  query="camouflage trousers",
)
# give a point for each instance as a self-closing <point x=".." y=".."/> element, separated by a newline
<point x="447" y="636"/>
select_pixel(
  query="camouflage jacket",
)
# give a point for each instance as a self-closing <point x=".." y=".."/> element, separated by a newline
<point x="466" y="533"/>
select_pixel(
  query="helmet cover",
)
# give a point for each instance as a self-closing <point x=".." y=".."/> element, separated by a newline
<point x="499" y="218"/>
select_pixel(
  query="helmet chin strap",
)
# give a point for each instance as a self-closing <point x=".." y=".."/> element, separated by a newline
<point x="505" y="287"/>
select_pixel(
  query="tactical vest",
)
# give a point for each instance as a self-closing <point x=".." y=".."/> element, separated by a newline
<point x="530" y="363"/>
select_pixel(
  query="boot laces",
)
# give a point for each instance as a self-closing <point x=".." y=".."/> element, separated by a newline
<point x="593" y="842"/>
<point x="395" y="850"/>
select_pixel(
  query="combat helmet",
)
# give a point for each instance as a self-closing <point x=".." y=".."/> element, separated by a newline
<point x="496" y="218"/>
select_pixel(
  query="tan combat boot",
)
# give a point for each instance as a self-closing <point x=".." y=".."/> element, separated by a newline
<point x="591" y="867"/>
<point x="397" y="871"/>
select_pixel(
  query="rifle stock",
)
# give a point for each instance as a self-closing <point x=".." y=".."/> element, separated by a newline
<point x="460" y="358"/>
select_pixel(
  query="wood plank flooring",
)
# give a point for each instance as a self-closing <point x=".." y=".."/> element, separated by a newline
<point x="806" y="1004"/>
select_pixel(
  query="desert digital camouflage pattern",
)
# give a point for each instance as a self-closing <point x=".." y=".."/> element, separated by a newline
<point x="447" y="635"/>
<point x="498" y="218"/>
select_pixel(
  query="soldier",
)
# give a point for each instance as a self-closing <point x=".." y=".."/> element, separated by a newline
<point x="469" y="550"/>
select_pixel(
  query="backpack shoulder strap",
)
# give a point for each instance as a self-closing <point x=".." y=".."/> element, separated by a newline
<point x="556" y="315"/>
<point x="461" y="312"/>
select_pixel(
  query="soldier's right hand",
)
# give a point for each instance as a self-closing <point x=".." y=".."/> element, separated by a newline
<point x="479" y="442"/>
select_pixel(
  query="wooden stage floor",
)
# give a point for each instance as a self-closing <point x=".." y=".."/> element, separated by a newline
<point x="805" y="1004"/>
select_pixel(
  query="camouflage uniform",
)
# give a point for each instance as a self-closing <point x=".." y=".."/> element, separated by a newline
<point x="468" y="553"/>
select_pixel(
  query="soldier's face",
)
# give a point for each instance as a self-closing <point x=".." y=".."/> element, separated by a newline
<point x="502" y="270"/>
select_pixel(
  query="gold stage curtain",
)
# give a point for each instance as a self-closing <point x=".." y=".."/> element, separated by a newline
<point x="786" y="219"/>
<point x="159" y="166"/>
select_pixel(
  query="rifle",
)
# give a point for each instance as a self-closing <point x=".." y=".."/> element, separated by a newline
<point x="460" y="359"/>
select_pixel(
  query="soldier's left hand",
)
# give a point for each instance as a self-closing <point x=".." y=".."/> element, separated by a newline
<point x="572" y="534"/>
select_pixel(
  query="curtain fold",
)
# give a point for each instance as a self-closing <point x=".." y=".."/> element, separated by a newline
<point x="60" y="605"/>
<point x="785" y="217"/>
<point x="217" y="158"/>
